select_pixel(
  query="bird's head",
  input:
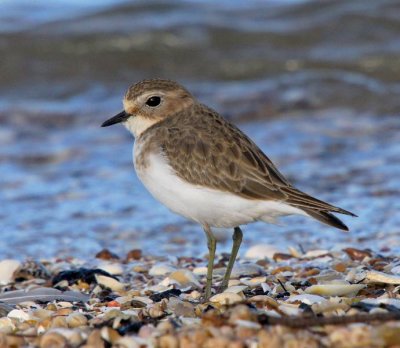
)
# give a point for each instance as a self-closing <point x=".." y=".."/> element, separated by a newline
<point x="149" y="102"/>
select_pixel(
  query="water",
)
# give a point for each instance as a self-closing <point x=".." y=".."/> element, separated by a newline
<point x="314" y="83"/>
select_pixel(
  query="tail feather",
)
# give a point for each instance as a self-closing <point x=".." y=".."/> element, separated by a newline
<point x="326" y="218"/>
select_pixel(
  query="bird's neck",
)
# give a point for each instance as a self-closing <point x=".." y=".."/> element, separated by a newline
<point x="138" y="124"/>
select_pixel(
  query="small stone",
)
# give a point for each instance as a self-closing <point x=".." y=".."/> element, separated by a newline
<point x="59" y="321"/>
<point x="180" y="308"/>
<point x="64" y="311"/>
<point x="135" y="254"/>
<point x="357" y="254"/>
<point x="6" y="325"/>
<point x="52" y="340"/>
<point x="76" y="320"/>
<point x="95" y="340"/>
<point x="340" y="267"/>
<point x="106" y="254"/>
<point x="127" y="342"/>
<point x="168" y="341"/>
<point x="281" y="257"/>
<point x="110" y="335"/>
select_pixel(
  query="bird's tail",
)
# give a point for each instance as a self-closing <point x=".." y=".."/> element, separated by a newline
<point x="326" y="218"/>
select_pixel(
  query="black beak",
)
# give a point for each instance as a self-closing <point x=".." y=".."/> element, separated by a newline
<point x="121" y="117"/>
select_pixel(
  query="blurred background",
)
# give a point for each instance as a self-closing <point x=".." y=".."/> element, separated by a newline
<point x="315" y="83"/>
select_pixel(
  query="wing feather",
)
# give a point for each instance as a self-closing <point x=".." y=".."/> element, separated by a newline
<point x="216" y="154"/>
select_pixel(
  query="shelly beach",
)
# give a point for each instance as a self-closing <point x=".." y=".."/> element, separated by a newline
<point x="342" y="298"/>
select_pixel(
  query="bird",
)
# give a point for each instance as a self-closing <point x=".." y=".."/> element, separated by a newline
<point x="204" y="168"/>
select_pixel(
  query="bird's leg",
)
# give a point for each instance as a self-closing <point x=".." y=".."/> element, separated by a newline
<point x="237" y="240"/>
<point x="212" y="245"/>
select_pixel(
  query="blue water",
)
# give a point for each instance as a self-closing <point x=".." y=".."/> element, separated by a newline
<point x="306" y="80"/>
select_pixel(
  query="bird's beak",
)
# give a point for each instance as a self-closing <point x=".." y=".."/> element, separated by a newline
<point x="121" y="117"/>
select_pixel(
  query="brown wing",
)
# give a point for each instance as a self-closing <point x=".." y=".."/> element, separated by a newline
<point x="218" y="155"/>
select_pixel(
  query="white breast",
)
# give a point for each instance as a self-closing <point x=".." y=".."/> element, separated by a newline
<point x="203" y="205"/>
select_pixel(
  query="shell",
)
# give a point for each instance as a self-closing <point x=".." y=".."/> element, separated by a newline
<point x="52" y="339"/>
<point x="113" y="268"/>
<point x="261" y="251"/>
<point x="76" y="320"/>
<point x="335" y="289"/>
<point x="236" y="289"/>
<point x="380" y="277"/>
<point x="19" y="314"/>
<point x="161" y="269"/>
<point x="306" y="298"/>
<point x="253" y="282"/>
<point x="109" y="282"/>
<point x="226" y="298"/>
<point x="7" y="270"/>
<point x="183" y="277"/>
<point x="6" y="325"/>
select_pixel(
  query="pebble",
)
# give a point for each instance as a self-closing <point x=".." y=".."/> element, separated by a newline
<point x="162" y="305"/>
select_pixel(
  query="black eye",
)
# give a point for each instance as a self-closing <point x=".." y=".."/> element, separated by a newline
<point x="153" y="101"/>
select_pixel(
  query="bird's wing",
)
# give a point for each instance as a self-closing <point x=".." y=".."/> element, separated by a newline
<point x="217" y="154"/>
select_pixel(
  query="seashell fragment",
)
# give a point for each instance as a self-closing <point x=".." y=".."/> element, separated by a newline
<point x="315" y="253"/>
<point x="110" y="335"/>
<point x="236" y="289"/>
<point x="380" y="277"/>
<point x="52" y="339"/>
<point x="109" y="282"/>
<point x="7" y="270"/>
<point x="261" y="251"/>
<point x="335" y="289"/>
<point x="226" y="298"/>
<point x="184" y="277"/>
<point x="253" y="282"/>
<point x="6" y="325"/>
<point x="307" y="299"/>
<point x="161" y="269"/>
<point x="112" y="268"/>
<point x="76" y="320"/>
<point x="19" y="314"/>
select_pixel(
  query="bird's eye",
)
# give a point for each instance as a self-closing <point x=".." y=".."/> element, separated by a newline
<point x="153" y="101"/>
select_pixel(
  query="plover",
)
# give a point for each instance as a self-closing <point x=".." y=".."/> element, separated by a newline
<point x="206" y="169"/>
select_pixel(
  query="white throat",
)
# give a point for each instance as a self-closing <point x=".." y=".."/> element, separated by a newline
<point x="138" y="124"/>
